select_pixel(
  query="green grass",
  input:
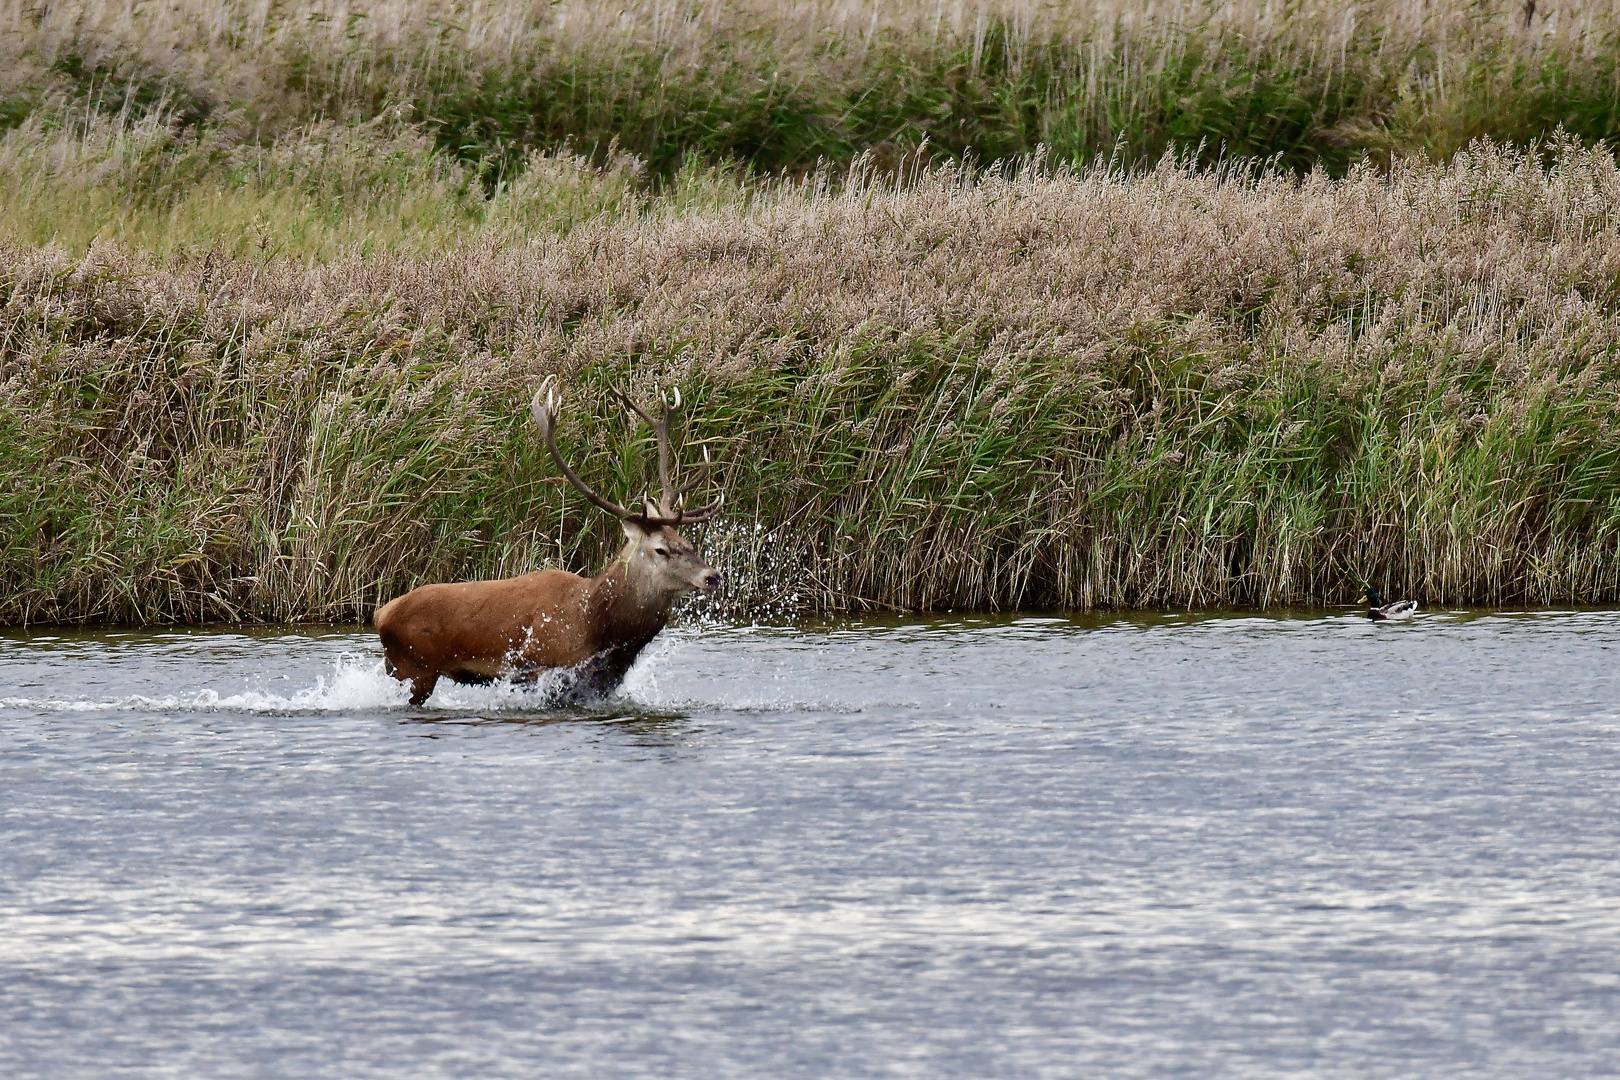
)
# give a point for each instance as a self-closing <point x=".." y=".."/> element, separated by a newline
<point x="217" y="126"/>
<point x="1181" y="387"/>
<point x="781" y="88"/>
<point x="274" y="293"/>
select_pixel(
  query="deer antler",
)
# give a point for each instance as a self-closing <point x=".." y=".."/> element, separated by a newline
<point x="668" y="510"/>
<point x="699" y="475"/>
<point x="705" y="512"/>
<point x="666" y="490"/>
<point x="546" y="417"/>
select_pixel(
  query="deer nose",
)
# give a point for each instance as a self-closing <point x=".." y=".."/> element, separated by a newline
<point x="711" y="581"/>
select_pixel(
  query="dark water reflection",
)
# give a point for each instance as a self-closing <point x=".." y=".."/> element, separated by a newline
<point x="1155" y="847"/>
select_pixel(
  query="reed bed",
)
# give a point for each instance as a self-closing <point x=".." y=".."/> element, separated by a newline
<point x="783" y="86"/>
<point x="1031" y="387"/>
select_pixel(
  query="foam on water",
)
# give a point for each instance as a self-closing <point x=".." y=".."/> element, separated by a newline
<point x="354" y="684"/>
<point x="358" y="683"/>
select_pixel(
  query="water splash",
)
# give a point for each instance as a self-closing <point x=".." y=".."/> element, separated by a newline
<point x="770" y="575"/>
<point x="679" y="672"/>
<point x="355" y="683"/>
<point x="653" y="682"/>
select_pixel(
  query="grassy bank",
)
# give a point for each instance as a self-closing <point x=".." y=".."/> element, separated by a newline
<point x="781" y="86"/>
<point x="1048" y="388"/>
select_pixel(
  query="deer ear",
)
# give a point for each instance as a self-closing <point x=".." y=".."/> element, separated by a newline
<point x="633" y="530"/>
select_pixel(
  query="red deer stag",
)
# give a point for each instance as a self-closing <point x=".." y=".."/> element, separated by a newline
<point x="477" y="631"/>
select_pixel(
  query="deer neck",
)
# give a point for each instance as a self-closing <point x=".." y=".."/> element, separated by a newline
<point x="626" y="610"/>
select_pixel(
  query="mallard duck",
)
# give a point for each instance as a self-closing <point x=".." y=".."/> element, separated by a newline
<point x="1396" y="612"/>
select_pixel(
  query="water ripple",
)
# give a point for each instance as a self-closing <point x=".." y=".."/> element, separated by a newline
<point x="1140" y="847"/>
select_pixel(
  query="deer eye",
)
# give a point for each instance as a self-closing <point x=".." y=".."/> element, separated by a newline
<point x="662" y="551"/>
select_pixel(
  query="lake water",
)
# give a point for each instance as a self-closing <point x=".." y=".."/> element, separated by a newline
<point x="1157" y="847"/>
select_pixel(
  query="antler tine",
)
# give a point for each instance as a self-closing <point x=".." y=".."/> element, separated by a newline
<point x="667" y="492"/>
<point x="700" y="474"/>
<point x="706" y="511"/>
<point x="545" y="415"/>
<point x="703" y="513"/>
<point x="630" y="404"/>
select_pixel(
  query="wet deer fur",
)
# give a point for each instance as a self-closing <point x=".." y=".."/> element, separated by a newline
<point x="592" y="628"/>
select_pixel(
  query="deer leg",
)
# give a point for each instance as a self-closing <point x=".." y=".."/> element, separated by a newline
<point x="422" y="686"/>
<point x="399" y="662"/>
<point x="527" y="675"/>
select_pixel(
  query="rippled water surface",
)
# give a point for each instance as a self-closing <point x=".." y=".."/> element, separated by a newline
<point x="1177" y="847"/>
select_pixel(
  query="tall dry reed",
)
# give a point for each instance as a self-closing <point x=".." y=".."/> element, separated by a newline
<point x="785" y="85"/>
<point x="1045" y="388"/>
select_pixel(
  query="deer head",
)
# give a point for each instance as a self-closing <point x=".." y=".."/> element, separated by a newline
<point x="660" y="561"/>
